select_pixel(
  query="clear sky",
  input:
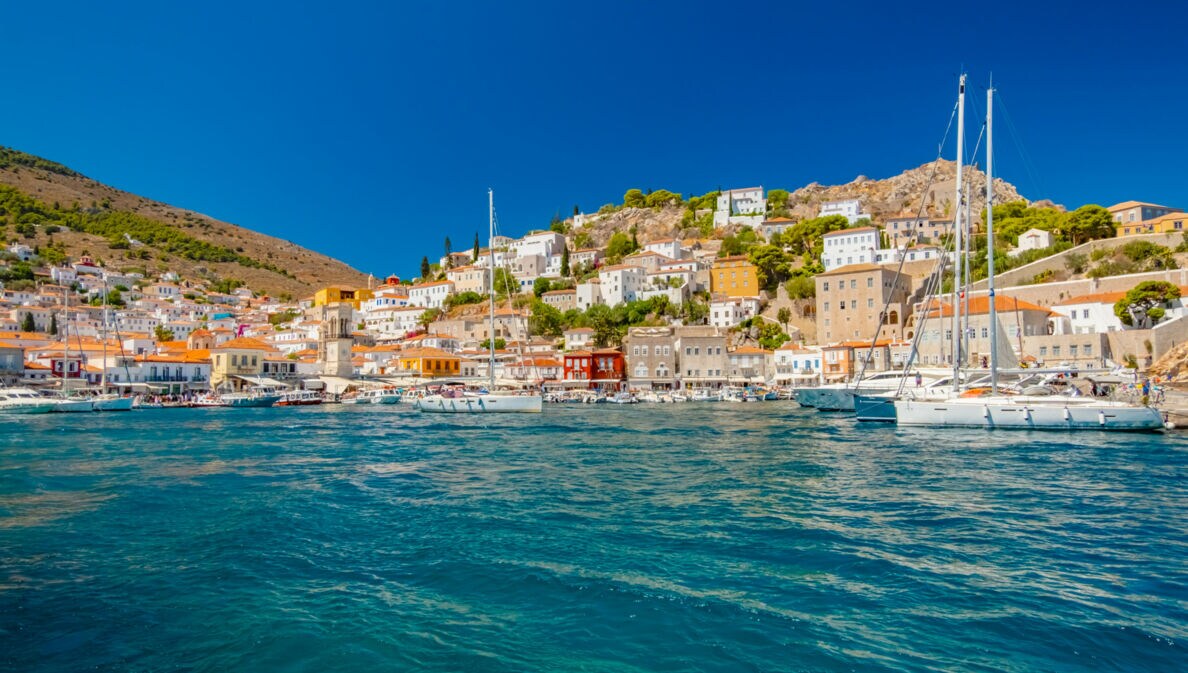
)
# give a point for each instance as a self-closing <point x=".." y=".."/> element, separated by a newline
<point x="370" y="131"/>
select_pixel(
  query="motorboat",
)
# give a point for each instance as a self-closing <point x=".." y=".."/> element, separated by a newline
<point x="299" y="398"/>
<point x="385" y="395"/>
<point x="24" y="401"/>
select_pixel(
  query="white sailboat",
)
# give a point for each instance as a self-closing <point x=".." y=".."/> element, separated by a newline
<point x="491" y="402"/>
<point x="991" y="409"/>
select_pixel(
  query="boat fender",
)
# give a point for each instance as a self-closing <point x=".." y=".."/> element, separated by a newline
<point x="985" y="411"/>
<point x="1101" y="418"/>
<point x="1067" y="415"/>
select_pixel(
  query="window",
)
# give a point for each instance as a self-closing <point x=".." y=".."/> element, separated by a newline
<point x="825" y="286"/>
<point x="853" y="283"/>
<point x="870" y="281"/>
<point x="853" y="303"/>
<point x="635" y="350"/>
<point x="985" y="332"/>
<point x="826" y="308"/>
<point x="869" y="302"/>
<point x="1072" y="350"/>
<point x="644" y="351"/>
<point x="1043" y="351"/>
<point x="1055" y="351"/>
<point x="1088" y="350"/>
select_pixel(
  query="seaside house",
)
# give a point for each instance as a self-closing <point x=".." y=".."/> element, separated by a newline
<point x="430" y="295"/>
<point x="1135" y="217"/>
<point x="850" y="246"/>
<point x="238" y="361"/>
<point x="750" y="364"/>
<point x="703" y="356"/>
<point x="341" y="294"/>
<point x="578" y="338"/>
<point x="651" y="357"/>
<point x="429" y="362"/>
<point x="562" y="300"/>
<point x="621" y="283"/>
<point x="797" y="365"/>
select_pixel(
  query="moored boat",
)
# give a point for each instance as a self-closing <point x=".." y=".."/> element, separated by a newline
<point x="24" y="401"/>
<point x="299" y="398"/>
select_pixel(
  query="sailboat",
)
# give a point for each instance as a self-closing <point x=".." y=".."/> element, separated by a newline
<point x="106" y="401"/>
<point x="990" y="408"/>
<point x="491" y="402"/>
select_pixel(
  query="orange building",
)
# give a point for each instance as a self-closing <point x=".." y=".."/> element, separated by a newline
<point x="734" y="277"/>
<point x="429" y="362"/>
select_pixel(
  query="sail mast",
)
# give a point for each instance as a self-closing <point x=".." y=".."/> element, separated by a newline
<point x="990" y="238"/>
<point x="956" y="345"/>
<point x="491" y="279"/>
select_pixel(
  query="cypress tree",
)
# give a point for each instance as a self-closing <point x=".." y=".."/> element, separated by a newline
<point x="565" y="261"/>
<point x="425" y="268"/>
<point x="476" y="246"/>
<point x="27" y="324"/>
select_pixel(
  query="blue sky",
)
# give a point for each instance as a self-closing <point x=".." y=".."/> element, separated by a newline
<point x="370" y="131"/>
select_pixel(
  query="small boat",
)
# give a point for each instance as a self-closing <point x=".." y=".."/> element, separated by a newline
<point x="378" y="396"/>
<point x="622" y="398"/>
<point x="299" y="398"/>
<point x="253" y="397"/>
<point x="24" y="401"/>
<point x="707" y="395"/>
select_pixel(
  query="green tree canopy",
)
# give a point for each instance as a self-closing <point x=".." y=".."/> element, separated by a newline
<point x="662" y="197"/>
<point x="634" y="198"/>
<point x="1088" y="223"/>
<point x="618" y="247"/>
<point x="540" y="286"/>
<point x="1143" y="304"/>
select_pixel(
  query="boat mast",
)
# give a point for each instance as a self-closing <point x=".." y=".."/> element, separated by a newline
<point x="990" y="238"/>
<point x="956" y="345"/>
<point x="491" y="279"/>
<point x="103" y="376"/>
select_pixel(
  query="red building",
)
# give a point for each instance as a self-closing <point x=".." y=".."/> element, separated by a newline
<point x="604" y="367"/>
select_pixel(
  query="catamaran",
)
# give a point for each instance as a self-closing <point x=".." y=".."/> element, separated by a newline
<point x="990" y="407"/>
<point x="461" y="401"/>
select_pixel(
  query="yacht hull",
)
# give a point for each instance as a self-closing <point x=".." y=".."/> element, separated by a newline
<point x="1025" y="414"/>
<point x="481" y="404"/>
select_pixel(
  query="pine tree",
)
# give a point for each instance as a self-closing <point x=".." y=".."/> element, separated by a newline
<point x="27" y="324"/>
<point x="565" y="261"/>
<point x="448" y="253"/>
<point x="425" y="268"/>
<point x="476" y="246"/>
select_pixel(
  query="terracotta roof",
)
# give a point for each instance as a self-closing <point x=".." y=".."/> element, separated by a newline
<point x="1132" y="204"/>
<point x="734" y="258"/>
<point x="841" y="232"/>
<point x="1096" y="298"/>
<point x="749" y="350"/>
<point x="779" y="219"/>
<point x="980" y="305"/>
<point x="579" y="354"/>
<point x="619" y="267"/>
<point x="854" y="268"/>
<point x="425" y="352"/>
<point x="245" y="343"/>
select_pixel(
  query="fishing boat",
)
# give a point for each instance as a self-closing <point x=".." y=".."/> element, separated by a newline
<point x="24" y="401"/>
<point x="991" y="408"/>
<point x="452" y="401"/>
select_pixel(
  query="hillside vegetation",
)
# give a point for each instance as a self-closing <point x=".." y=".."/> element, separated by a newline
<point x="56" y="209"/>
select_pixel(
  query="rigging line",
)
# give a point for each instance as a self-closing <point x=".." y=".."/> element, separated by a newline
<point x="1028" y="164"/>
<point x="899" y="269"/>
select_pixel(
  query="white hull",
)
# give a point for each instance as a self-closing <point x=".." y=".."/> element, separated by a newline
<point x="73" y="407"/>
<point x="481" y="404"/>
<point x="1028" y="413"/>
<point x="33" y="408"/>
<point x="114" y="403"/>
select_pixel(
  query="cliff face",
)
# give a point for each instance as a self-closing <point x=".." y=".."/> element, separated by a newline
<point x="51" y="183"/>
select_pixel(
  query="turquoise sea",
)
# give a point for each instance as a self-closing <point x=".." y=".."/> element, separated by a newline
<point x="694" y="537"/>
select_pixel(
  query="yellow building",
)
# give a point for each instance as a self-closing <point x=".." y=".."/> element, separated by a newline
<point x="430" y="362"/>
<point x="1165" y="224"/>
<point x="235" y="358"/>
<point x="341" y="294"/>
<point x="734" y="277"/>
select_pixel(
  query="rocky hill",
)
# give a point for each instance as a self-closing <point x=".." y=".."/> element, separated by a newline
<point x="900" y="194"/>
<point x="77" y="214"/>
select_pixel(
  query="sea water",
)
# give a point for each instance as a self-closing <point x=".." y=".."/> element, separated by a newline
<point x="689" y="537"/>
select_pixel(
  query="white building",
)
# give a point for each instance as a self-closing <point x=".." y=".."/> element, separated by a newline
<point x="1032" y="239"/>
<point x="622" y="283"/>
<point x="1088" y="314"/>
<point x="543" y="243"/>
<point x="730" y="311"/>
<point x="22" y="251"/>
<point x="741" y="206"/>
<point x="851" y="209"/>
<point x="667" y="247"/>
<point x="798" y="365"/>
<point x="578" y="338"/>
<point x="430" y="295"/>
<point x="850" y="246"/>
<point x="393" y="322"/>
<point x="589" y="294"/>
